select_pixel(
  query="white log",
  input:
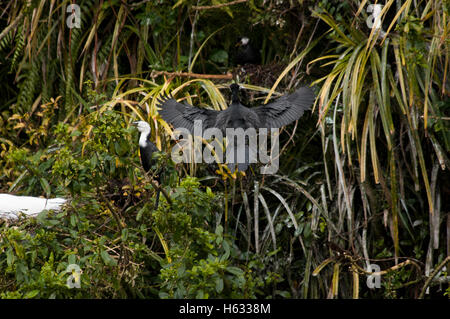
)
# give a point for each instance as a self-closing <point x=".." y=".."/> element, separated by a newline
<point x="12" y="206"/>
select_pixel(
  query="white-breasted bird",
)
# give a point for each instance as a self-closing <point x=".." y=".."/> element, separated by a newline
<point x="246" y="53"/>
<point x="146" y="150"/>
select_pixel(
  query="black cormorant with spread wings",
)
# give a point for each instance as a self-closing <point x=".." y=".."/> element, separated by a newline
<point x="283" y="111"/>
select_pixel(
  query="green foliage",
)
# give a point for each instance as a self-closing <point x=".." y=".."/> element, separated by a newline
<point x="94" y="157"/>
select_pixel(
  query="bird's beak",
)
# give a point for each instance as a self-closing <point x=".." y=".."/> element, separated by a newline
<point x="238" y="44"/>
<point x="135" y="123"/>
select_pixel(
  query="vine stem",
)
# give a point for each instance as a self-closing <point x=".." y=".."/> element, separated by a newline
<point x="433" y="274"/>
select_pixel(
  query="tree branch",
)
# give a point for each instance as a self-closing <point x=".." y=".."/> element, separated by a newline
<point x="433" y="274"/>
<point x="11" y="25"/>
<point x="216" y="6"/>
<point x="227" y="76"/>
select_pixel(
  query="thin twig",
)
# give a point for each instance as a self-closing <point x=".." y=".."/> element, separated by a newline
<point x="433" y="274"/>
<point x="216" y="6"/>
<point x="290" y="139"/>
<point x="446" y="118"/>
<point x="298" y="36"/>
<point x="384" y="272"/>
<point x="112" y="210"/>
<point x="249" y="218"/>
<point x="227" y="76"/>
<point x="191" y="42"/>
<point x="156" y="187"/>
<point x="138" y="4"/>
<point x="11" y="25"/>
<point x="256" y="213"/>
<point x="301" y="60"/>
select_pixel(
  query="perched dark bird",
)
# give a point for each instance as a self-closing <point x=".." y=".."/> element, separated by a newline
<point x="147" y="148"/>
<point x="246" y="53"/>
<point x="282" y="111"/>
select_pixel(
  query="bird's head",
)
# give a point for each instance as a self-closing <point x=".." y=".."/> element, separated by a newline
<point x="142" y="126"/>
<point x="243" y="42"/>
<point x="234" y="87"/>
<point x="235" y="92"/>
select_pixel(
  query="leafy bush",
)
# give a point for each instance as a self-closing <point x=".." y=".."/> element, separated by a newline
<point x="362" y="179"/>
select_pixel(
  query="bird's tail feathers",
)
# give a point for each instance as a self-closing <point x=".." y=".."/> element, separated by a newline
<point x="240" y="150"/>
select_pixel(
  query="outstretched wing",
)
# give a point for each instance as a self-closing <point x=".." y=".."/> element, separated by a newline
<point x="285" y="109"/>
<point x="183" y="115"/>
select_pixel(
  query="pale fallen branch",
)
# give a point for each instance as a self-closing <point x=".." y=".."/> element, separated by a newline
<point x="11" y="206"/>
